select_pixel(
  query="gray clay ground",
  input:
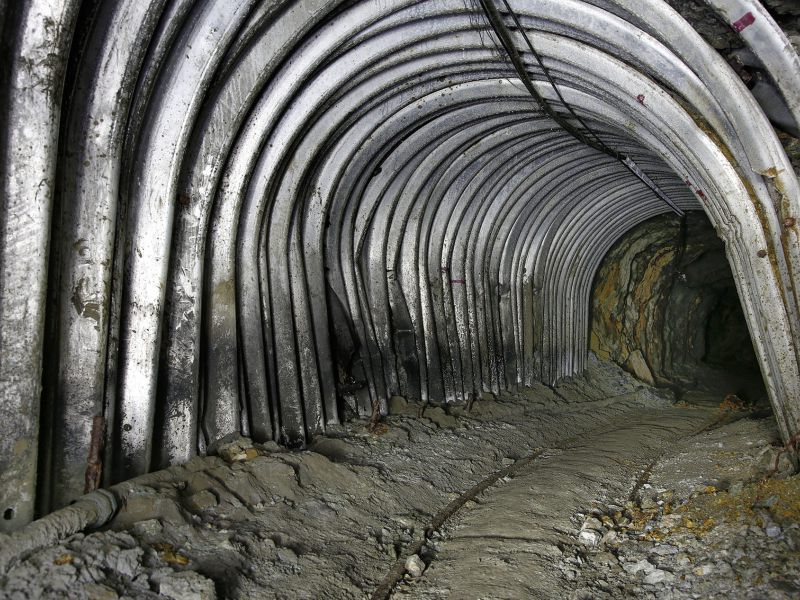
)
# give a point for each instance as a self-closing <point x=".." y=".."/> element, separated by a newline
<point x="617" y="506"/>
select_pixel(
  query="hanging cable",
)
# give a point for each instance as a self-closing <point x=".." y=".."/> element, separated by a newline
<point x="504" y="35"/>
<point x="681" y="252"/>
<point x="546" y="73"/>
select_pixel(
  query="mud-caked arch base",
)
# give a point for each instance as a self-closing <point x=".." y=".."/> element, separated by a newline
<point x="237" y="217"/>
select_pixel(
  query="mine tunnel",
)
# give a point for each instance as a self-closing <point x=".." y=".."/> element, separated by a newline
<point x="665" y="308"/>
<point x="387" y="298"/>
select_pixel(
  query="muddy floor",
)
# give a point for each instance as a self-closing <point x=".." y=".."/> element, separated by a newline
<point x="599" y="488"/>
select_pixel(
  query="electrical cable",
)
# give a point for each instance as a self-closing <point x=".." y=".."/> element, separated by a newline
<point x="504" y="35"/>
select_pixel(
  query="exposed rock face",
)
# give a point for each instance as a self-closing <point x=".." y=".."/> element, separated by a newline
<point x="665" y="304"/>
<point x="637" y="365"/>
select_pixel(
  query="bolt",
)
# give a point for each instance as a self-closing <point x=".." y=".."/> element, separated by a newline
<point x="762" y="253"/>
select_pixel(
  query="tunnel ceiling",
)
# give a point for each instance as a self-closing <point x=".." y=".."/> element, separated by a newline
<point x="229" y="217"/>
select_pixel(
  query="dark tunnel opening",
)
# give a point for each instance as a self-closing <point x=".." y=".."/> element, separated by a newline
<point x="665" y="308"/>
<point x="308" y="299"/>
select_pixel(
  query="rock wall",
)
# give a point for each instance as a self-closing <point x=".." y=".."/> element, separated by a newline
<point x="665" y="306"/>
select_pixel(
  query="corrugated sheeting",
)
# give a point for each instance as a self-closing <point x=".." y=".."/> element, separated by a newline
<point x="242" y="217"/>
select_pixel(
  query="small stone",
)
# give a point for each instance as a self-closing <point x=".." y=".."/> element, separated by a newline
<point x="149" y="528"/>
<point x="126" y="562"/>
<point x="671" y="521"/>
<point x="271" y="446"/>
<point x="589" y="537"/>
<point x="648" y="504"/>
<point x="201" y="501"/>
<point x="610" y="537"/>
<point x="96" y="591"/>
<point x="772" y="531"/>
<point x="337" y="450"/>
<point x="663" y="550"/>
<point x="187" y="585"/>
<point x="287" y="555"/>
<point x="643" y="565"/>
<point x="592" y="523"/>
<point x="414" y="566"/>
<point x="236" y="450"/>
<point x="703" y="570"/>
<point x="767" y="502"/>
<point x="657" y="576"/>
<point x="604" y="558"/>
<point x="637" y="366"/>
<point x="723" y="568"/>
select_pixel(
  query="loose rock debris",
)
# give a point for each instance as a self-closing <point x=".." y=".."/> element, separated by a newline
<point x="726" y="528"/>
<point x="329" y="522"/>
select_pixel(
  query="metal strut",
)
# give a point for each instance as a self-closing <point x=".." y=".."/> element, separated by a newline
<point x="502" y="32"/>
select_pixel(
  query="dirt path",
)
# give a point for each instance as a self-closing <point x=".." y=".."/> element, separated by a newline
<point x="332" y="521"/>
<point x="504" y="545"/>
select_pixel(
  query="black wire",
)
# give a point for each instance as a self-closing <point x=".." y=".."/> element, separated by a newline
<point x="504" y="35"/>
<point x="546" y="73"/>
<point x="682" y="234"/>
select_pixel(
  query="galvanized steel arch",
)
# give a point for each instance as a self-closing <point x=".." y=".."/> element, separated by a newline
<point x="268" y="207"/>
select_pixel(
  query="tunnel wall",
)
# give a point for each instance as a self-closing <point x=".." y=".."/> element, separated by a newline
<point x="231" y="217"/>
<point x="665" y="306"/>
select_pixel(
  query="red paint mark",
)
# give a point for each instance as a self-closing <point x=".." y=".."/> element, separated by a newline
<point x="640" y="99"/>
<point x="701" y="194"/>
<point x="747" y="20"/>
<point x="457" y="281"/>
